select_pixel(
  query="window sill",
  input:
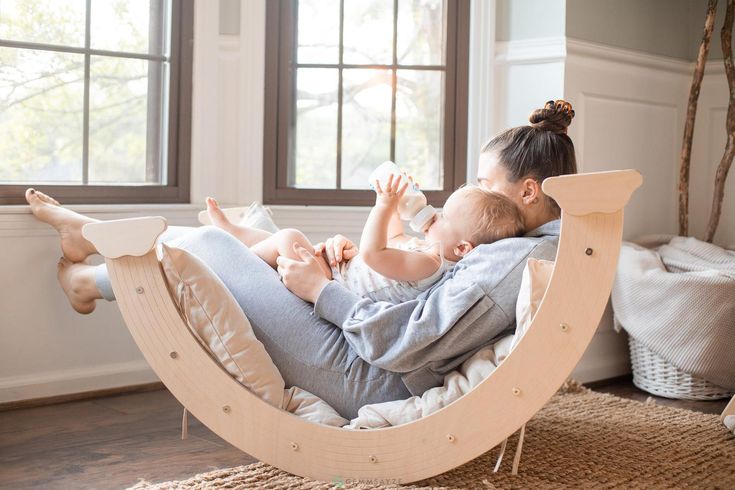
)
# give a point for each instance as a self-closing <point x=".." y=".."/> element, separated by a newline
<point x="194" y="208"/>
<point x="21" y="209"/>
<point x="18" y="221"/>
<point x="318" y="222"/>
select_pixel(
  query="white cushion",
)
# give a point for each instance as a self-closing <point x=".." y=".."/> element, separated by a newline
<point x="536" y="277"/>
<point x="259" y="217"/>
<point x="218" y="322"/>
<point x="254" y="216"/>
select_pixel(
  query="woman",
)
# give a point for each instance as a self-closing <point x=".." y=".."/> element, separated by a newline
<point x="352" y="351"/>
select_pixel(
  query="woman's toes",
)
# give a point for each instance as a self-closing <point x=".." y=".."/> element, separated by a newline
<point x="66" y="222"/>
<point x="35" y="198"/>
<point x="46" y="198"/>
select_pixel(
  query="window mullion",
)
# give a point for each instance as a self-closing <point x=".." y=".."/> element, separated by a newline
<point x="85" y="123"/>
<point x="340" y="93"/>
<point x="60" y="48"/>
<point x="394" y="83"/>
<point x="155" y="87"/>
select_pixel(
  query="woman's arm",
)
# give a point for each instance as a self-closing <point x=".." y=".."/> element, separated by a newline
<point x="400" y="265"/>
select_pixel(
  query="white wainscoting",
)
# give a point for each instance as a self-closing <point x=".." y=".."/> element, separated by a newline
<point x="47" y="349"/>
<point x="527" y="74"/>
<point x="630" y="109"/>
<point x="628" y="113"/>
<point x="709" y="144"/>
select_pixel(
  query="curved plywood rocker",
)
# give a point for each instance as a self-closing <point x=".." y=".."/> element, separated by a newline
<point x="591" y="231"/>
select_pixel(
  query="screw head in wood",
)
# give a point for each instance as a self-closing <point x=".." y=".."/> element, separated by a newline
<point x="139" y="290"/>
<point x="564" y="327"/>
<point x="226" y="409"/>
<point x="516" y="391"/>
<point x="588" y="251"/>
<point x="373" y="459"/>
<point x="294" y="446"/>
<point x="451" y="438"/>
<point x="174" y="354"/>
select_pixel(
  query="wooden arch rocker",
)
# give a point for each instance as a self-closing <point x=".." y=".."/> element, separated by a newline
<point x="589" y="245"/>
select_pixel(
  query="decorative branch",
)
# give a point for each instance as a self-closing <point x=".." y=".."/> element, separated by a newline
<point x="727" y="156"/>
<point x="686" y="146"/>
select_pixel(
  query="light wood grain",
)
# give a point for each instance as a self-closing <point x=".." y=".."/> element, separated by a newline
<point x="729" y="409"/>
<point x="595" y="192"/>
<point x="576" y="297"/>
<point x="131" y="236"/>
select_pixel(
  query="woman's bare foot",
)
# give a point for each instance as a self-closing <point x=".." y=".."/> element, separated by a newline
<point x="66" y="222"/>
<point x="216" y="215"/>
<point x="78" y="283"/>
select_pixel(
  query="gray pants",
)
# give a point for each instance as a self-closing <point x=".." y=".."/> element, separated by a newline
<point x="310" y="352"/>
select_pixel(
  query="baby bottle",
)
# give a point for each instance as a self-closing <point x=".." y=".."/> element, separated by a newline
<point x="412" y="207"/>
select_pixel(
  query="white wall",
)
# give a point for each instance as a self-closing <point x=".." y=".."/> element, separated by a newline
<point x="709" y="144"/>
<point x="629" y="115"/>
<point x="47" y="349"/>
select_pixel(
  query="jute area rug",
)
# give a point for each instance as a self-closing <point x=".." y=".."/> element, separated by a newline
<point x="579" y="439"/>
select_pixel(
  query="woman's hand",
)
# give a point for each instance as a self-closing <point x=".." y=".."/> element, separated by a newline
<point x="338" y="249"/>
<point x="388" y="198"/>
<point x="304" y="277"/>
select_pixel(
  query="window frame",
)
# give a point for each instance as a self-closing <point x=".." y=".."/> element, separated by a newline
<point x="178" y="164"/>
<point x="279" y="54"/>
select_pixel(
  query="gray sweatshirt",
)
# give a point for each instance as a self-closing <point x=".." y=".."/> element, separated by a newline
<point x="471" y="306"/>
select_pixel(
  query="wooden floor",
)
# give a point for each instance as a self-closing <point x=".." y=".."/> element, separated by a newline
<point x="113" y="442"/>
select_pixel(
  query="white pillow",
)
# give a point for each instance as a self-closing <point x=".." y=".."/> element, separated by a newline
<point x="220" y="325"/>
<point x="259" y="217"/>
<point x="254" y="216"/>
<point x="536" y="277"/>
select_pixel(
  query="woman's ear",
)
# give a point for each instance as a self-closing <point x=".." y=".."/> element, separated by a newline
<point x="531" y="191"/>
<point x="463" y="248"/>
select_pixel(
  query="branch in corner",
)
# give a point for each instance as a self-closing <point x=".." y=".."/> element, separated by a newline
<point x="724" y="167"/>
<point x="686" y="146"/>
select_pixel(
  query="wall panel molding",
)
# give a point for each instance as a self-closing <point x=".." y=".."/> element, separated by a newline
<point x="75" y="380"/>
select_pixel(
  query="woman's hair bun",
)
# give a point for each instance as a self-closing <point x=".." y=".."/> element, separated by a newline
<point x="555" y="116"/>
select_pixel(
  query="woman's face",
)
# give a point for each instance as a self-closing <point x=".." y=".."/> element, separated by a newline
<point x="526" y="192"/>
<point x="492" y="176"/>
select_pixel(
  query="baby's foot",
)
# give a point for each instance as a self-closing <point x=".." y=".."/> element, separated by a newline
<point x="66" y="222"/>
<point x="77" y="281"/>
<point x="216" y="215"/>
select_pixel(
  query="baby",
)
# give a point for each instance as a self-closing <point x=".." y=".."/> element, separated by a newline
<point x="392" y="266"/>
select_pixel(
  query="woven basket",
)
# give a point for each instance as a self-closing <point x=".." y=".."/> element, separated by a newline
<point x="657" y="376"/>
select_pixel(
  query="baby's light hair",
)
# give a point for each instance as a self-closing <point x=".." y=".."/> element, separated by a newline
<point x="494" y="216"/>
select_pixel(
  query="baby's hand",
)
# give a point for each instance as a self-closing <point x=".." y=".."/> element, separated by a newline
<point x="393" y="192"/>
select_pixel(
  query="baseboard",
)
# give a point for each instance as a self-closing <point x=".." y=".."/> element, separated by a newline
<point x="85" y="395"/>
<point x="75" y="381"/>
<point x="606" y="357"/>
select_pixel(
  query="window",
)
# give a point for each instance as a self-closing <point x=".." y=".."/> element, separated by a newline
<point x="350" y="84"/>
<point x="95" y="99"/>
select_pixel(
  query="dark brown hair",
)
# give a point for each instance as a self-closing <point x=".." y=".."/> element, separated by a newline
<point x="539" y="150"/>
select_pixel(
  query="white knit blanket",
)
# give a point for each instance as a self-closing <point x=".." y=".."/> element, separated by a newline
<point x="676" y="295"/>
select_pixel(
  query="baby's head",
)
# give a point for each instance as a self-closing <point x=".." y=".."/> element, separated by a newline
<point x="473" y="216"/>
